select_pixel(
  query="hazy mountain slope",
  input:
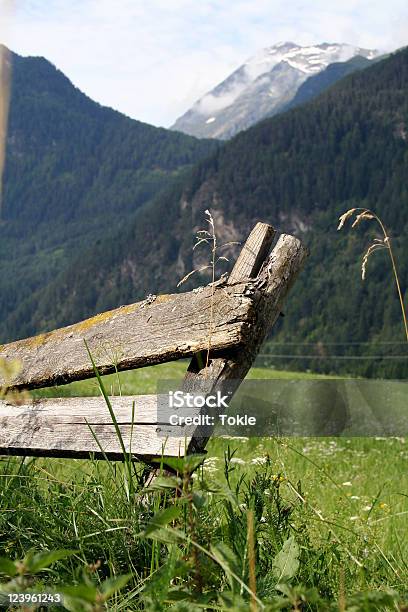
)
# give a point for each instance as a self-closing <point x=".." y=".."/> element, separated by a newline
<point x="298" y="171"/>
<point x="261" y="87"/>
<point x="74" y="170"/>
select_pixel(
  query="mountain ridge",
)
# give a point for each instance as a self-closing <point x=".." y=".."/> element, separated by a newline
<point x="74" y="169"/>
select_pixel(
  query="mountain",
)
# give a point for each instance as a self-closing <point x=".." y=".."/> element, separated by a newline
<point x="298" y="171"/>
<point x="74" y="170"/>
<point x="261" y="87"/>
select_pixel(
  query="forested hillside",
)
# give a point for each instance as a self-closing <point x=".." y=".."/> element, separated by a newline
<point x="299" y="171"/>
<point x="74" y="170"/>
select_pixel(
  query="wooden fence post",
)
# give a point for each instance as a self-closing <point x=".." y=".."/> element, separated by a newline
<point x="274" y="280"/>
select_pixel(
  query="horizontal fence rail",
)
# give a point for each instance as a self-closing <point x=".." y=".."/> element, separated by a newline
<point x="76" y="427"/>
<point x="142" y="334"/>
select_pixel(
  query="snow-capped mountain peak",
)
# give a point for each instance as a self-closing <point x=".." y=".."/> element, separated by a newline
<point x="310" y="59"/>
<point x="261" y="86"/>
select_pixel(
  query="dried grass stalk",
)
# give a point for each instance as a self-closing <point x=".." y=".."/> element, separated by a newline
<point x="378" y="243"/>
<point x="209" y="238"/>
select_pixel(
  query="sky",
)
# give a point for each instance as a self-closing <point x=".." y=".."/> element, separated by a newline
<point x="152" y="59"/>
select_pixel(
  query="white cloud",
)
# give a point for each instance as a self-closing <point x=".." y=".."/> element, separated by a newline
<point x="153" y="59"/>
<point x="211" y="104"/>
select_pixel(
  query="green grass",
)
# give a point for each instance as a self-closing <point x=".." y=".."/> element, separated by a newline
<point x="344" y="500"/>
<point x="137" y="382"/>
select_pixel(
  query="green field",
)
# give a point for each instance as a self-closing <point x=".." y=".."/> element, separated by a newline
<point x="341" y="502"/>
<point x="136" y="382"/>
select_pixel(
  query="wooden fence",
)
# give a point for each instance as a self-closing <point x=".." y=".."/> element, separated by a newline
<point x="231" y="317"/>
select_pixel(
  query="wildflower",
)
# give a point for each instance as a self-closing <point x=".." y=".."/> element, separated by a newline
<point x="259" y="460"/>
<point x="93" y="567"/>
<point x="354" y="518"/>
<point x="347" y="484"/>
<point x="367" y="508"/>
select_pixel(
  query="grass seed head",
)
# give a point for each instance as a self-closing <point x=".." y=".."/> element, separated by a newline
<point x="364" y="215"/>
<point x="378" y="244"/>
<point x="343" y="218"/>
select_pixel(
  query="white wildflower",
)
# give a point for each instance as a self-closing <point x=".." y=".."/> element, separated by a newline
<point x="259" y="460"/>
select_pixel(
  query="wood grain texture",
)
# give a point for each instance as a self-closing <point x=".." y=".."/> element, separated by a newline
<point x="142" y="334"/>
<point x="62" y="428"/>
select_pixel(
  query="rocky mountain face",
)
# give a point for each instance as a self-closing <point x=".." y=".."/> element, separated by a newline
<point x="261" y="87"/>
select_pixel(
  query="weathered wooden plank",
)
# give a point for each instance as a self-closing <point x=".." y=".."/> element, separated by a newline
<point x="140" y="409"/>
<point x="270" y="290"/>
<point x="248" y="265"/>
<point x="142" y="334"/>
<point x="58" y="427"/>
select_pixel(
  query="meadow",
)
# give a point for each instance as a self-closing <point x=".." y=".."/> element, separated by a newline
<point x="262" y="524"/>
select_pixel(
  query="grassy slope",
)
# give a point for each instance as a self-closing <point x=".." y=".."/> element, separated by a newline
<point x="353" y="511"/>
<point x="340" y="477"/>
